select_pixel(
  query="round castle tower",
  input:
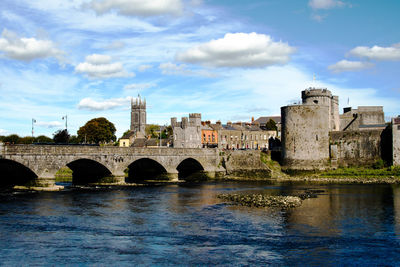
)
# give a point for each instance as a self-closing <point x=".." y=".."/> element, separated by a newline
<point x="305" y="130"/>
<point x="323" y="97"/>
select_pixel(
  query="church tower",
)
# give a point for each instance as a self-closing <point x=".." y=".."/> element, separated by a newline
<point x="138" y="115"/>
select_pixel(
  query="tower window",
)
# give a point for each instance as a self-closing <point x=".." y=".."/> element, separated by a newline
<point x="315" y="101"/>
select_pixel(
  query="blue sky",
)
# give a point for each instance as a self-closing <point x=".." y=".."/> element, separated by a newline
<point x="229" y="60"/>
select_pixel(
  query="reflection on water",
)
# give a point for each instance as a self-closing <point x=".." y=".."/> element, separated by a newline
<point x="187" y="224"/>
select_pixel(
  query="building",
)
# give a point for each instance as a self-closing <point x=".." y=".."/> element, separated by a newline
<point x="138" y="123"/>
<point x="138" y="116"/>
<point x="209" y="136"/>
<point x="363" y="118"/>
<point x="396" y="141"/>
<point x="315" y="136"/>
<point x="242" y="136"/>
<point x="127" y="139"/>
<point x="187" y="133"/>
<point x="262" y="122"/>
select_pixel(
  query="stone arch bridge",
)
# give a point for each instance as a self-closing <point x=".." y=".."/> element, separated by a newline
<point x="92" y="163"/>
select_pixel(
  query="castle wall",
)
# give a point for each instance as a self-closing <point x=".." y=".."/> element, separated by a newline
<point x="305" y="136"/>
<point x="356" y="148"/>
<point x="396" y="141"/>
<point x="371" y="115"/>
<point x="187" y="133"/>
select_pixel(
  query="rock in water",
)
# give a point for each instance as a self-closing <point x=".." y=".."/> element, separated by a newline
<point x="259" y="200"/>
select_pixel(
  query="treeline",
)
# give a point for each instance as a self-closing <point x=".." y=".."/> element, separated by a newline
<point x="95" y="131"/>
<point x="16" y="139"/>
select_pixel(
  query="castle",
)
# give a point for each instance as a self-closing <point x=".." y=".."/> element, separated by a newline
<point x="187" y="133"/>
<point x="315" y="136"/>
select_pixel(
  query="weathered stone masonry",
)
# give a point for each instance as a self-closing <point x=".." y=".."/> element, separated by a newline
<point x="396" y="141"/>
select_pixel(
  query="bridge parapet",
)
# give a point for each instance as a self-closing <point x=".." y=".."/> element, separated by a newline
<point x="46" y="160"/>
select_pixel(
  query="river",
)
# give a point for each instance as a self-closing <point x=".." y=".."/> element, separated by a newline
<point x="188" y="225"/>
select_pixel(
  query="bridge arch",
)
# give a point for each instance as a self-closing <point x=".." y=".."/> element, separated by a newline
<point x="146" y="169"/>
<point x="190" y="169"/>
<point x="86" y="171"/>
<point x="15" y="173"/>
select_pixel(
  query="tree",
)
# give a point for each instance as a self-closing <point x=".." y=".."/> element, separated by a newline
<point x="26" y="140"/>
<point x="74" y="139"/>
<point x="43" y="139"/>
<point x="152" y="130"/>
<point x="61" y="136"/>
<point x="12" y="139"/>
<point x="98" y="130"/>
<point x="271" y="125"/>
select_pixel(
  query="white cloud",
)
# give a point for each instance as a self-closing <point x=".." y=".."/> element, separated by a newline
<point x="239" y="50"/>
<point x="100" y="66"/>
<point x="49" y="124"/>
<point x="137" y="7"/>
<point x="174" y="69"/>
<point x="345" y="65"/>
<point x="3" y="132"/>
<point x="144" y="67"/>
<point x="325" y="4"/>
<point x="138" y="86"/>
<point x="90" y="104"/>
<point x="27" y="49"/>
<point x="377" y="52"/>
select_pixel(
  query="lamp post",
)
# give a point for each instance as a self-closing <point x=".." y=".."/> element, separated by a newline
<point x="66" y="122"/>
<point x="33" y="121"/>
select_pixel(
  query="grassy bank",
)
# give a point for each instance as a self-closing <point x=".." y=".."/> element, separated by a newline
<point x="362" y="172"/>
<point x="64" y="175"/>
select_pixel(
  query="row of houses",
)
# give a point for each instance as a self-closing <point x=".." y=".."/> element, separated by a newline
<point x="191" y="132"/>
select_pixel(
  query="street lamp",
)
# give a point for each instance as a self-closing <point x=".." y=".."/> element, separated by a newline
<point x="33" y="121"/>
<point x="66" y="122"/>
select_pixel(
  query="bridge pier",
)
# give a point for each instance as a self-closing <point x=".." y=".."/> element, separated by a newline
<point x="173" y="177"/>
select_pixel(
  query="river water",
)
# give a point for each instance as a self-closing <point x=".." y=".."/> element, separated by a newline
<point x="188" y="225"/>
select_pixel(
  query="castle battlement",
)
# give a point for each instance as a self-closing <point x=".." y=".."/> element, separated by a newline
<point x="316" y="92"/>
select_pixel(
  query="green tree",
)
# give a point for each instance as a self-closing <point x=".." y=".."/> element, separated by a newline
<point x="43" y="139"/>
<point x="74" y="139"/>
<point x="271" y="125"/>
<point x="26" y="140"/>
<point x="98" y="130"/>
<point x="61" y="136"/>
<point x="168" y="132"/>
<point x="12" y="139"/>
<point x="152" y="130"/>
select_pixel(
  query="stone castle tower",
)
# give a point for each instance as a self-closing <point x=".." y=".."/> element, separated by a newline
<point x="138" y="115"/>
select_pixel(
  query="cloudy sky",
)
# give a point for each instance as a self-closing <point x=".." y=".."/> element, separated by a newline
<point x="227" y="59"/>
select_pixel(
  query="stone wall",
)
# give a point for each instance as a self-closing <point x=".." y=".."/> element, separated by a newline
<point x="244" y="163"/>
<point x="355" y="148"/>
<point x="396" y="140"/>
<point x="305" y="137"/>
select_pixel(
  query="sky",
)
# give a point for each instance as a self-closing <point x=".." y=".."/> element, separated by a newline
<point x="229" y="60"/>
